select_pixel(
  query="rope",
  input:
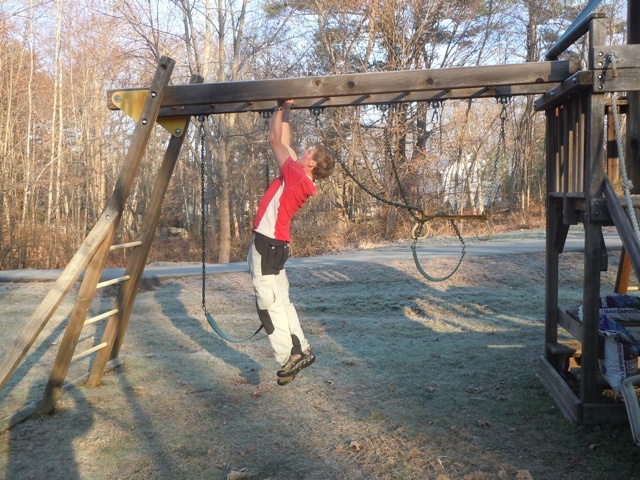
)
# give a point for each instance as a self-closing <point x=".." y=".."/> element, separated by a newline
<point x="210" y="319"/>
<point x="627" y="185"/>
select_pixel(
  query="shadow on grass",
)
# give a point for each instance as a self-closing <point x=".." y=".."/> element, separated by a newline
<point x="412" y="380"/>
<point x="204" y="336"/>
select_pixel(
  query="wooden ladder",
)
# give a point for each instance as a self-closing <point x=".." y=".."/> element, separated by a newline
<point x="91" y="258"/>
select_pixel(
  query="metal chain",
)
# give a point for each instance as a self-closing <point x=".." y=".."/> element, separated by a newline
<point x="208" y="317"/>
<point x="201" y="119"/>
<point x="266" y="115"/>
<point x="436" y="120"/>
<point x="419" y="214"/>
<point x="502" y="142"/>
<point x="391" y="155"/>
<point x="416" y="212"/>
<point x="316" y="113"/>
<point x="437" y="107"/>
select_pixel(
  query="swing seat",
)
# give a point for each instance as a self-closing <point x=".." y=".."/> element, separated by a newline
<point x="633" y="406"/>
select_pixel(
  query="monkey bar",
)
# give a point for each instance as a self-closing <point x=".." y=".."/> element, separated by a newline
<point x="351" y="90"/>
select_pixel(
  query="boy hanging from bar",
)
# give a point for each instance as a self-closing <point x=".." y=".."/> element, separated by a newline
<point x="270" y="246"/>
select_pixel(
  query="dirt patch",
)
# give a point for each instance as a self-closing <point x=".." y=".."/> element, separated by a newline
<point x="413" y="380"/>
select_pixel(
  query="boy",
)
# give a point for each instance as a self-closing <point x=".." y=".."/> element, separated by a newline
<point x="270" y="246"/>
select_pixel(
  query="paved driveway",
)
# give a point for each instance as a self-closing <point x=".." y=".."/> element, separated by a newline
<point x="526" y="241"/>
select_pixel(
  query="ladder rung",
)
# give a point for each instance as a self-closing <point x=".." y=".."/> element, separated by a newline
<point x="88" y="352"/>
<point x="113" y="281"/>
<point x="97" y="318"/>
<point x="137" y="243"/>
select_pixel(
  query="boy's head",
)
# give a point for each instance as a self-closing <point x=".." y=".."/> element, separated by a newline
<point x="325" y="163"/>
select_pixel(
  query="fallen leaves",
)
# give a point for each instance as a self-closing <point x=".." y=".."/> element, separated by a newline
<point x="523" y="475"/>
<point x="239" y="474"/>
<point x="357" y="446"/>
<point x="353" y="446"/>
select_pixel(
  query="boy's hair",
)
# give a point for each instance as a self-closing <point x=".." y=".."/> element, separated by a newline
<point x="325" y="163"/>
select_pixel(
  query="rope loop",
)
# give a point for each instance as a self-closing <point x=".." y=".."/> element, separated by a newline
<point x="487" y="237"/>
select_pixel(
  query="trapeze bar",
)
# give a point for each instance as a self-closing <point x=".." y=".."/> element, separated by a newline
<point x="446" y="216"/>
<point x="360" y="88"/>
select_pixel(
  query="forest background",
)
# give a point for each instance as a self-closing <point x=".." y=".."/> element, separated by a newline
<point x="61" y="149"/>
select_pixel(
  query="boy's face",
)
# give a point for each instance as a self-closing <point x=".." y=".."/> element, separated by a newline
<point x="307" y="161"/>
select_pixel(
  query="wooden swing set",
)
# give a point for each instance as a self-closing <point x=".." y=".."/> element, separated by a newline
<point x="576" y="106"/>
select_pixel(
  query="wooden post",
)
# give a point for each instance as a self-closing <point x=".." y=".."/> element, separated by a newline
<point x="117" y="324"/>
<point x="594" y="175"/>
<point x="554" y="216"/>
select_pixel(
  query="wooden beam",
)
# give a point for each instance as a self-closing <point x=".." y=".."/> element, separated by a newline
<point x="363" y="100"/>
<point x="557" y="95"/>
<point x="566" y="400"/>
<point x="624" y="273"/>
<point x="594" y="175"/>
<point x="358" y="88"/>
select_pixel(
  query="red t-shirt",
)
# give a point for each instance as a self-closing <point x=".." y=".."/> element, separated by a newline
<point x="283" y="199"/>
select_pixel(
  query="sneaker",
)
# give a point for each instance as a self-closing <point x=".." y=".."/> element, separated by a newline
<point x="296" y="363"/>
<point x="282" y="381"/>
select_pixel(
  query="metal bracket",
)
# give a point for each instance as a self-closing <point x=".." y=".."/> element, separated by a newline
<point x="615" y="68"/>
<point x="131" y="103"/>
<point x="598" y="211"/>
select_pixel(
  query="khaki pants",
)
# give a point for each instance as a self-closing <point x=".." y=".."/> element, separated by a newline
<point x="276" y="312"/>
